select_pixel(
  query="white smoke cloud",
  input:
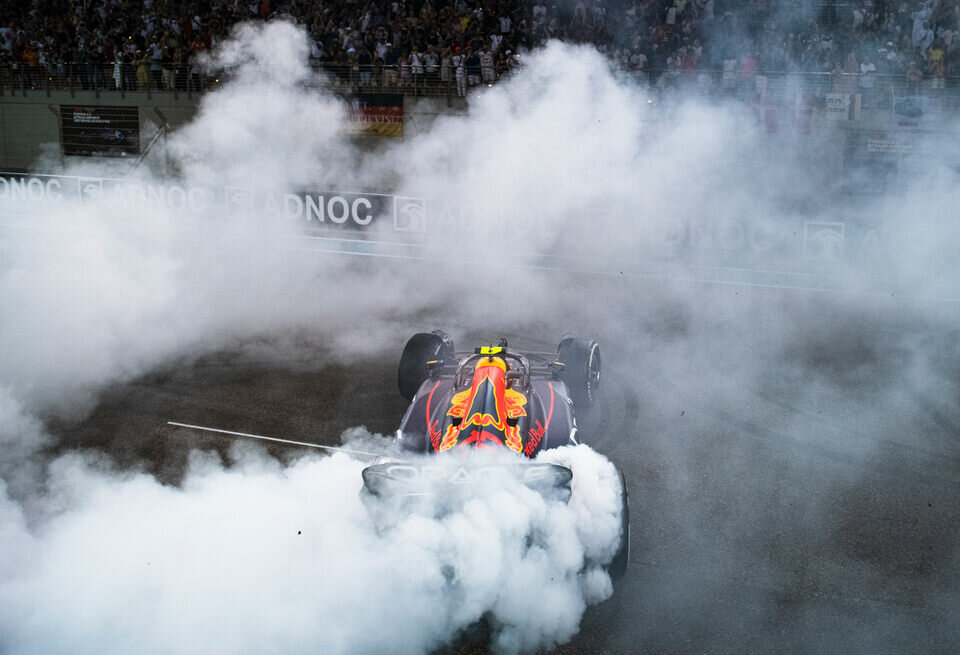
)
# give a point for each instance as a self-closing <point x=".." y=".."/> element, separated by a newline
<point x="265" y="130"/>
<point x="253" y="555"/>
<point x="259" y="556"/>
<point x="21" y="437"/>
<point x="552" y="161"/>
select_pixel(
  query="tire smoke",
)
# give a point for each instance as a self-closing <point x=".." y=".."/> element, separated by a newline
<point x="562" y="167"/>
<point x="259" y="556"/>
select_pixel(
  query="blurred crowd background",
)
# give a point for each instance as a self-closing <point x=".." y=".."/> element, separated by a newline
<point x="137" y="44"/>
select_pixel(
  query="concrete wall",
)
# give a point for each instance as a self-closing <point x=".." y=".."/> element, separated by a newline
<point x="30" y="128"/>
<point x="30" y="123"/>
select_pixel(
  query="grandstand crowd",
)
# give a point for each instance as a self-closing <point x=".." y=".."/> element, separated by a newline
<point x="402" y="43"/>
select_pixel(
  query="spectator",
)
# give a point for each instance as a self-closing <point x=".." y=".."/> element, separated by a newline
<point x="920" y="17"/>
<point x="850" y="71"/>
<point x="867" y="70"/>
<point x="914" y="75"/>
<point x="180" y="69"/>
<point x="390" y="62"/>
<point x="142" y="63"/>
<point x="836" y="78"/>
<point x="500" y="64"/>
<point x="31" y="61"/>
<point x="6" y="40"/>
<point x="446" y="65"/>
<point x="637" y="61"/>
<point x="729" y="74"/>
<point x="156" y="66"/>
<point x="486" y="65"/>
<point x="84" y="40"/>
<point x="166" y="63"/>
<point x="405" y="69"/>
<point x="416" y="66"/>
<point x="129" y="71"/>
<point x="459" y="66"/>
<point x="473" y="67"/>
<point x="937" y="64"/>
<point x="430" y="63"/>
<point x="365" y="65"/>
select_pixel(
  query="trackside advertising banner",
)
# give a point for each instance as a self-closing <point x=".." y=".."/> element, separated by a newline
<point x="26" y="194"/>
<point x="375" y="114"/>
<point x="748" y="250"/>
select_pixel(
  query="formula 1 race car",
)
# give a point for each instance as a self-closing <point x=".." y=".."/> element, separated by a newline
<point x="498" y="399"/>
<point x="511" y="405"/>
<point x="494" y="396"/>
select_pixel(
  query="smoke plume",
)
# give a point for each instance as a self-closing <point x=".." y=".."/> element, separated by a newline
<point x="566" y="200"/>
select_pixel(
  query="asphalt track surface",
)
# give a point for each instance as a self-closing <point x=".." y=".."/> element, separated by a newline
<point x="807" y="502"/>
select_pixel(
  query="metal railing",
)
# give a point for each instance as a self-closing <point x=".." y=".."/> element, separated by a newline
<point x="119" y="77"/>
<point x="874" y="90"/>
<point x="122" y="77"/>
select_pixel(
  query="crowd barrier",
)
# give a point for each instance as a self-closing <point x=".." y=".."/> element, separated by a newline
<point x="874" y="90"/>
<point x="122" y="78"/>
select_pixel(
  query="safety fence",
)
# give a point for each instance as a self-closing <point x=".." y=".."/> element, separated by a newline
<point x="122" y="77"/>
<point x="853" y="91"/>
<point x="871" y="90"/>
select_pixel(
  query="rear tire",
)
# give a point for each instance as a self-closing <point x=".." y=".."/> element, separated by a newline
<point x="421" y="348"/>
<point x="581" y="369"/>
<point x="618" y="566"/>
